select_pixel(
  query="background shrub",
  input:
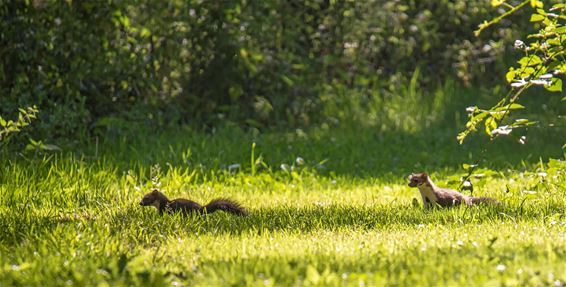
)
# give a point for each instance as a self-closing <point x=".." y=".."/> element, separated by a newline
<point x="258" y="63"/>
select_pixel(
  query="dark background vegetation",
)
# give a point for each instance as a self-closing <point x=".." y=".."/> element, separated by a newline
<point x="92" y="66"/>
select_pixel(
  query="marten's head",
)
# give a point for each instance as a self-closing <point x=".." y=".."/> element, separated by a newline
<point x="154" y="198"/>
<point x="417" y="179"/>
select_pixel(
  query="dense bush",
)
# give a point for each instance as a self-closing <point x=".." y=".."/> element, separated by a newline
<point x="87" y="63"/>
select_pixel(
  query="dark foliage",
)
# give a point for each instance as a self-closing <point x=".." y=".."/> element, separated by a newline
<point x="88" y="65"/>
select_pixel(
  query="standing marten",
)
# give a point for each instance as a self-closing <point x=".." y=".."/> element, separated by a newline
<point x="433" y="195"/>
<point x="160" y="201"/>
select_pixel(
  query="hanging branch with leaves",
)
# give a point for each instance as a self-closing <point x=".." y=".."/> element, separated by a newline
<point x="543" y="64"/>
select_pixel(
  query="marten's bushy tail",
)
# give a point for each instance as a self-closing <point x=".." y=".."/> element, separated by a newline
<point x="226" y="205"/>
<point x="478" y="200"/>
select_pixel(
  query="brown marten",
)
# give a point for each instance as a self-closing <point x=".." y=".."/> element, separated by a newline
<point x="163" y="204"/>
<point x="433" y="195"/>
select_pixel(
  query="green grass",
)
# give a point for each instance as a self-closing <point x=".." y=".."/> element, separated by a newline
<point x="344" y="217"/>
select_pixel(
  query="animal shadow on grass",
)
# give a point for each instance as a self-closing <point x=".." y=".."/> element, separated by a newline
<point x="313" y="218"/>
<point x="135" y="223"/>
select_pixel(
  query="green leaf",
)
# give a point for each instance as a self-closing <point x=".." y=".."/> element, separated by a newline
<point x="287" y="80"/>
<point x="462" y="136"/>
<point x="144" y="33"/>
<point x="537" y="18"/>
<point x="554" y="42"/>
<point x="530" y="61"/>
<point x="510" y="76"/>
<point x="537" y="4"/>
<point x="495" y="3"/>
<point x="526" y="72"/>
<point x="2" y="122"/>
<point x="30" y="147"/>
<point x="513" y="106"/>
<point x="560" y="30"/>
<point x="490" y="125"/>
<point x="556" y="85"/>
<point x="468" y="166"/>
<point x="50" y="147"/>
<point x="521" y="122"/>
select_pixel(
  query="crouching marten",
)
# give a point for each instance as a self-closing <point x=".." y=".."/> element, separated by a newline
<point x="163" y="204"/>
<point x="433" y="195"/>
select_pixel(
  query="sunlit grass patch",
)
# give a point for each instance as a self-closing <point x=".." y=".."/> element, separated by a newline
<point x="342" y="215"/>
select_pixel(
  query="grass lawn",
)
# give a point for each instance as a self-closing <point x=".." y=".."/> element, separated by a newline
<point x="345" y="216"/>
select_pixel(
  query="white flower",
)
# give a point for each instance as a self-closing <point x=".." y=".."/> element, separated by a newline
<point x="546" y="76"/>
<point x="545" y="46"/>
<point x="519" y="83"/>
<point x="501" y="267"/>
<point x="502" y="130"/>
<point x="522" y="139"/>
<point x="541" y="82"/>
<point x="471" y="109"/>
<point x="300" y="161"/>
<point x="519" y="44"/>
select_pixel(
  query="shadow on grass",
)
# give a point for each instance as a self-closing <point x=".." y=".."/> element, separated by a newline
<point x="355" y="152"/>
<point x="333" y="217"/>
<point x="412" y="132"/>
<point x="147" y="226"/>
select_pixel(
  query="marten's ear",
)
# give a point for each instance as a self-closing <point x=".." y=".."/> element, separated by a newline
<point x="155" y="190"/>
<point x="424" y="175"/>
